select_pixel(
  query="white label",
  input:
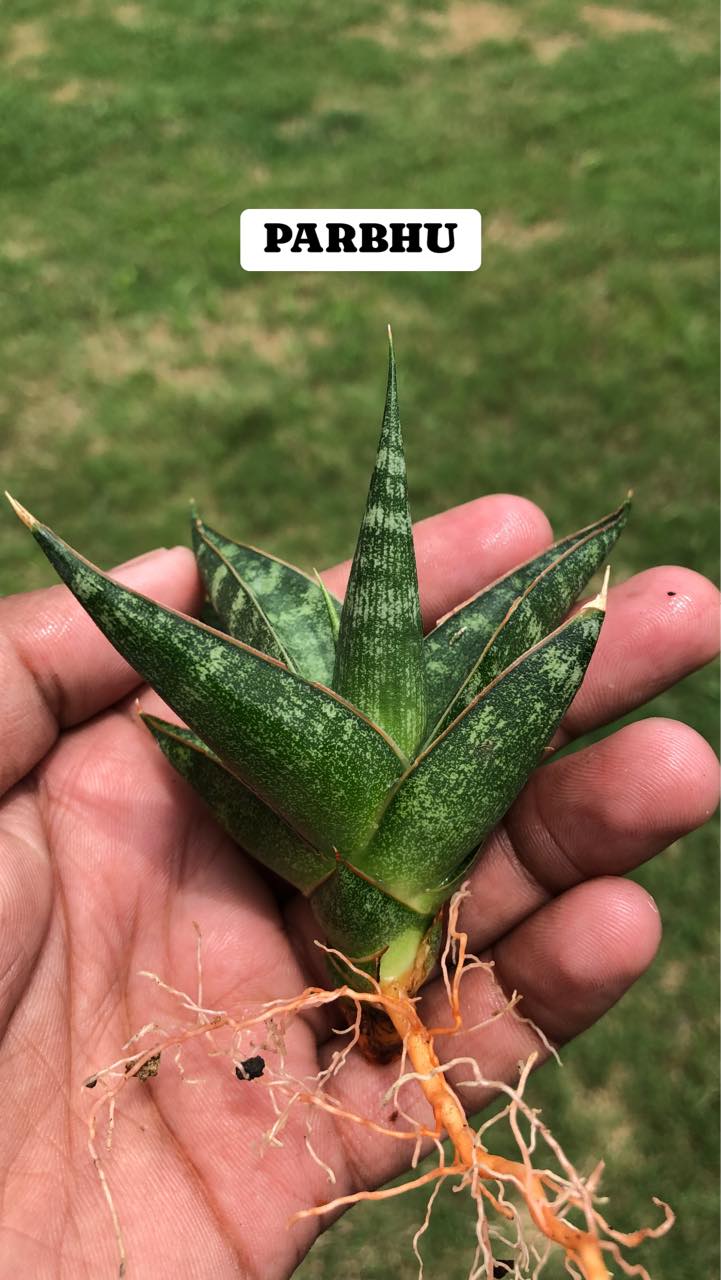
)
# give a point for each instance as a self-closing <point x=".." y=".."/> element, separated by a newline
<point x="360" y="239"/>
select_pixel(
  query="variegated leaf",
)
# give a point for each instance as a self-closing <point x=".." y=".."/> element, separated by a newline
<point x="462" y="785"/>
<point x="234" y="601"/>
<point x="379" y="660"/>
<point x="453" y="647"/>
<point x="260" y="831"/>
<point x="295" y="606"/>
<point x="542" y="606"/>
<point x="308" y="754"/>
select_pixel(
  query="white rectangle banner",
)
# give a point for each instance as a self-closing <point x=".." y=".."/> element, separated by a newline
<point x="360" y="239"/>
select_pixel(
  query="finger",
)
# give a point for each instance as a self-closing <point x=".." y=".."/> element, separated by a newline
<point x="575" y="958"/>
<point x="571" y="962"/>
<point x="660" y="626"/>
<point x="602" y="811"/>
<point x="460" y="551"/>
<point x="57" y="667"/>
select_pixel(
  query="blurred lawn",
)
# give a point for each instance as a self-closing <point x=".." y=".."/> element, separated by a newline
<point x="141" y="367"/>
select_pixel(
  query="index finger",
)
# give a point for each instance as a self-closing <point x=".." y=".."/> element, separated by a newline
<point x="57" y="668"/>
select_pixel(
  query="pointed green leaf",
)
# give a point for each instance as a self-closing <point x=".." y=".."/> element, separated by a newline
<point x="379" y="661"/>
<point x="542" y="607"/>
<point x="260" y="831"/>
<point x="454" y="645"/>
<point x="462" y="785"/>
<point x="292" y="602"/>
<point x="302" y="749"/>
<point x="234" y="601"/>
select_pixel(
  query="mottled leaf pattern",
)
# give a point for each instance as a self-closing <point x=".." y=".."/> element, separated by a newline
<point x="542" y="607"/>
<point x="379" y="662"/>
<point x="454" y="645"/>
<point x="459" y="789"/>
<point x="308" y="754"/>
<point x="294" y="604"/>
<point x="234" y="601"/>
<point x="257" y="828"/>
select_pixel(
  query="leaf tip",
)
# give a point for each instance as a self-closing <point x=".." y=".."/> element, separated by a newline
<point x="599" y="602"/>
<point x="148" y="721"/>
<point x="21" y="512"/>
<point x="391" y="386"/>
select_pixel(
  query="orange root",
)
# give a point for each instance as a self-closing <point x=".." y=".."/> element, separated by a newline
<point x="548" y="1195"/>
<point x="582" y="1247"/>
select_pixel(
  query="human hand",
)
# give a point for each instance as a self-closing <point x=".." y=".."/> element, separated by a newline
<point x="107" y="859"/>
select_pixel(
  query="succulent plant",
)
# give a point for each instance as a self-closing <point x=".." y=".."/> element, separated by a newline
<point x="363" y="761"/>
<point x="360" y="760"/>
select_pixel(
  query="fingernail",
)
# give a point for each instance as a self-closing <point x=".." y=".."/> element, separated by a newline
<point x="147" y="555"/>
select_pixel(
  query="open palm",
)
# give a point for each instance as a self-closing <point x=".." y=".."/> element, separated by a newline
<point x="107" y="859"/>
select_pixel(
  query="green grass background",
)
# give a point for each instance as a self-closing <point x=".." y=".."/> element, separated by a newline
<point x="141" y="366"/>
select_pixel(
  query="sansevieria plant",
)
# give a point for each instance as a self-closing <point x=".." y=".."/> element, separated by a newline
<point x="357" y="758"/>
